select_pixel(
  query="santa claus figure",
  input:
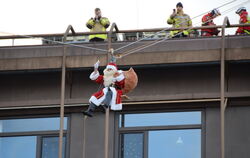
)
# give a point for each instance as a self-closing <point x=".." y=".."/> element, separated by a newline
<point x="113" y="81"/>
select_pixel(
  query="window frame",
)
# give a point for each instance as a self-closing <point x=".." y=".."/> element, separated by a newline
<point x="146" y="129"/>
<point x="40" y="134"/>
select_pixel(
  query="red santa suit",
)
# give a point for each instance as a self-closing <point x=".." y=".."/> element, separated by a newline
<point x="118" y="81"/>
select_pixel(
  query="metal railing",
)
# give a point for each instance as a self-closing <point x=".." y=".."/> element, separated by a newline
<point x="62" y="36"/>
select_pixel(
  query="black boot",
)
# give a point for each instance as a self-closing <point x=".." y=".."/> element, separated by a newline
<point x="106" y="102"/>
<point x="90" y="110"/>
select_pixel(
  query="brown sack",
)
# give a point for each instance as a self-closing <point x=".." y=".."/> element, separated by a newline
<point x="131" y="80"/>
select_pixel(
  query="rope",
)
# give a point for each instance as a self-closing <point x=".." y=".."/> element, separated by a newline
<point x="167" y="28"/>
<point x="159" y="41"/>
<point x="58" y="42"/>
<point x="233" y="8"/>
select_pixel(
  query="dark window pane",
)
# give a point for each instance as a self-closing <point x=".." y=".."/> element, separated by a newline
<point x="18" y="147"/>
<point x="132" y="145"/>
<point x="162" y="119"/>
<point x="175" y="144"/>
<point x="34" y="124"/>
<point x="50" y="147"/>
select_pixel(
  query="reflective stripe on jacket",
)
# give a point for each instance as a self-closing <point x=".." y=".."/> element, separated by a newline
<point x="96" y="25"/>
<point x="180" y="21"/>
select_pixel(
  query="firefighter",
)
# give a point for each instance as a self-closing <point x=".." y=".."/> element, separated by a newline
<point x="179" y="19"/>
<point x="207" y="20"/>
<point x="244" y="19"/>
<point x="98" y="24"/>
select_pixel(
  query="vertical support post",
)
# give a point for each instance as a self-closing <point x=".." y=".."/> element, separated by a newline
<point x="84" y="137"/>
<point x="222" y="89"/>
<point x="60" y="152"/>
<point x="13" y="42"/>
<point x="106" y="145"/>
<point x="106" y="141"/>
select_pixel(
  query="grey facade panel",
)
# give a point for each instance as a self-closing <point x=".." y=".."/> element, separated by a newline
<point x="76" y="135"/>
<point x="212" y="148"/>
<point x="155" y="83"/>
<point x="237" y="137"/>
<point x="237" y="130"/>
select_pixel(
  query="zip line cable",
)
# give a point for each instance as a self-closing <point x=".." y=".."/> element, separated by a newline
<point x="57" y="42"/>
<point x="233" y="8"/>
<point x="158" y="41"/>
<point x="161" y="40"/>
<point x="168" y="28"/>
<point x="152" y="43"/>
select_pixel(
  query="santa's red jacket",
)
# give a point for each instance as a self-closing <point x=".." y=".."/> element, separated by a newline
<point x="207" y="20"/>
<point x="98" y="97"/>
<point x="243" y="20"/>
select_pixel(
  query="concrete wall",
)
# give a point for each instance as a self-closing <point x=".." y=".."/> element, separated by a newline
<point x="87" y="136"/>
<point x="237" y="131"/>
<point x="170" y="51"/>
<point x="158" y="82"/>
<point x="169" y="82"/>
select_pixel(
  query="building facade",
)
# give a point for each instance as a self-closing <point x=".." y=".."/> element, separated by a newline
<point x="173" y="112"/>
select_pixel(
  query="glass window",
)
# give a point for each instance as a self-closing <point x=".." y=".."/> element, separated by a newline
<point x="33" y="124"/>
<point x="18" y="147"/>
<point x="132" y="146"/>
<point x="161" y="119"/>
<point x="175" y="144"/>
<point x="50" y="147"/>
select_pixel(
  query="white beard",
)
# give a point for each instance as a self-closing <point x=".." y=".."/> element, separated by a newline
<point x="108" y="77"/>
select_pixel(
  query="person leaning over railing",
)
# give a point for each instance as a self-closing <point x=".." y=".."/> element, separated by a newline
<point x="244" y="19"/>
<point x="98" y="24"/>
<point x="207" y="20"/>
<point x="178" y="19"/>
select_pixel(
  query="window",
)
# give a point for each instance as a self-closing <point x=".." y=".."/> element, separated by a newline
<point x="132" y="146"/>
<point x="161" y="135"/>
<point x="31" y="124"/>
<point x="23" y="147"/>
<point x="175" y="143"/>
<point x="162" y="119"/>
<point x="50" y="147"/>
<point x="31" y="138"/>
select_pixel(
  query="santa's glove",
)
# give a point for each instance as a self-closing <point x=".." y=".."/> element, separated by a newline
<point x="114" y="80"/>
<point x="96" y="65"/>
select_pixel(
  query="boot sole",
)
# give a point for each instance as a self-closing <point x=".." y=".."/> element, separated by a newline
<point x="85" y="113"/>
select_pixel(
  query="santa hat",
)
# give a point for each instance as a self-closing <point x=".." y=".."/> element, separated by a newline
<point x="112" y="66"/>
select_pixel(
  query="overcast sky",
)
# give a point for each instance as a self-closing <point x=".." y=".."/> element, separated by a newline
<point x="53" y="16"/>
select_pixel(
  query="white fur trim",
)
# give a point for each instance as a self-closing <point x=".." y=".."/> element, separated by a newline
<point x="94" y="76"/>
<point x="120" y="77"/>
<point x="96" y="101"/>
<point x="115" y="106"/>
<point x="111" y="67"/>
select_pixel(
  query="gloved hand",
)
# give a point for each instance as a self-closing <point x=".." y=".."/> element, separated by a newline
<point x="96" y="65"/>
<point x="173" y="14"/>
<point x="114" y="80"/>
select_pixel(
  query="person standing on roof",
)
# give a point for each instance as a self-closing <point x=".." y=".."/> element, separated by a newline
<point x="244" y="19"/>
<point x="98" y="24"/>
<point x="178" y="19"/>
<point x="207" y="20"/>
